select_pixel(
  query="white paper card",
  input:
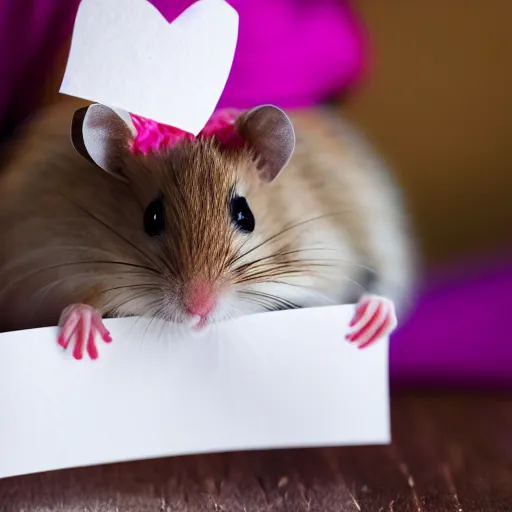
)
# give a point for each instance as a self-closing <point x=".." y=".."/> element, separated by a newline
<point x="125" y="55"/>
<point x="286" y="379"/>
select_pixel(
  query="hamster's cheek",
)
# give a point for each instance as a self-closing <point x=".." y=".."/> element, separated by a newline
<point x="288" y="293"/>
<point x="249" y="248"/>
<point x="231" y="305"/>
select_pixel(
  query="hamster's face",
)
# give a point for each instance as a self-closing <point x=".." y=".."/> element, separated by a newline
<point x="203" y="222"/>
<point x="201" y="214"/>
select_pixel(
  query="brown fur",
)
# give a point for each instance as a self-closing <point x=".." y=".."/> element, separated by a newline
<point x="73" y="233"/>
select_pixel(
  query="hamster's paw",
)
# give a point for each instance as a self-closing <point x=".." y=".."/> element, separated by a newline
<point x="80" y="324"/>
<point x="374" y="318"/>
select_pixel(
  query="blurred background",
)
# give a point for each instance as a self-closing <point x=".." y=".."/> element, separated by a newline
<point x="431" y="85"/>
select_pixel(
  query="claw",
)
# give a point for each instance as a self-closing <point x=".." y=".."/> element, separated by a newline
<point x="361" y="309"/>
<point x="373" y="319"/>
<point x="81" y="323"/>
<point x="92" y="350"/>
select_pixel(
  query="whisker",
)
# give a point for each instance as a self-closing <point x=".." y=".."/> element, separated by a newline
<point x="306" y="261"/>
<point x="40" y="294"/>
<point x="115" y="309"/>
<point x="147" y="286"/>
<point x="265" y="305"/>
<point x="273" y="301"/>
<point x="263" y="276"/>
<point x="312" y="292"/>
<point x="147" y="316"/>
<point x="257" y="266"/>
<point x="75" y="263"/>
<point x="142" y="294"/>
<point x="33" y="254"/>
<point x="154" y="316"/>
<point x="280" y="233"/>
<point x="272" y="298"/>
<point x="164" y="320"/>
<point x="146" y="256"/>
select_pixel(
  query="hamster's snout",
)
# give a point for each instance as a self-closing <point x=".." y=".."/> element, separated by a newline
<point x="200" y="299"/>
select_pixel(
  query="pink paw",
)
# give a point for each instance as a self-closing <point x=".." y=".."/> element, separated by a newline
<point x="81" y="323"/>
<point x="374" y="318"/>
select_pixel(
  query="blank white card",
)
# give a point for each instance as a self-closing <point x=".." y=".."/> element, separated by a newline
<point x="273" y="380"/>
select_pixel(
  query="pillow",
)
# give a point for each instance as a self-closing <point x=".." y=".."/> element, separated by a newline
<point x="459" y="333"/>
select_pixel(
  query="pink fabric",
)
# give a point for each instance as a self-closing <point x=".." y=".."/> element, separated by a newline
<point x="30" y="33"/>
<point x="460" y="333"/>
<point x="290" y="52"/>
<point x="153" y="137"/>
<point x="222" y="126"/>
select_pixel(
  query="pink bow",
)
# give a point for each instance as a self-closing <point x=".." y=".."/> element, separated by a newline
<point x="153" y="137"/>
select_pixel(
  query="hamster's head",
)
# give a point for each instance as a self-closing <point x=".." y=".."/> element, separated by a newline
<point x="208" y="243"/>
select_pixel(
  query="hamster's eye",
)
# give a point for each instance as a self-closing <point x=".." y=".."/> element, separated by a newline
<point x="154" y="220"/>
<point x="241" y="214"/>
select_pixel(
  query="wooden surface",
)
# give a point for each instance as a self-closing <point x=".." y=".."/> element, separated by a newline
<point x="451" y="453"/>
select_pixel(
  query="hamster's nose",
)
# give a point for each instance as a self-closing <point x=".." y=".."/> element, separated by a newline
<point x="200" y="298"/>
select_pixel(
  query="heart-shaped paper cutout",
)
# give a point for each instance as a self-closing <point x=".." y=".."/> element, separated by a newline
<point x="124" y="54"/>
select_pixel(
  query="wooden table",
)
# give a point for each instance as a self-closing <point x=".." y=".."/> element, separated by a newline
<point x="451" y="452"/>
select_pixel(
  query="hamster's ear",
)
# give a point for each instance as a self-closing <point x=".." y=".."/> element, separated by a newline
<point x="102" y="135"/>
<point x="269" y="132"/>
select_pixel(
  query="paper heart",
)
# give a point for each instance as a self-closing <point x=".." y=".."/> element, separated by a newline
<point x="124" y="54"/>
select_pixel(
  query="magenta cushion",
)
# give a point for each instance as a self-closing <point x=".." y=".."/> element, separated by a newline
<point x="30" y="34"/>
<point x="290" y="52"/>
<point x="460" y="332"/>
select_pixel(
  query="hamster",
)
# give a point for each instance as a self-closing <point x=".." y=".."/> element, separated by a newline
<point x="301" y="214"/>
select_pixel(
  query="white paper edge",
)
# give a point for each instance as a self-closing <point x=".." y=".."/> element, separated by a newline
<point x="35" y="353"/>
